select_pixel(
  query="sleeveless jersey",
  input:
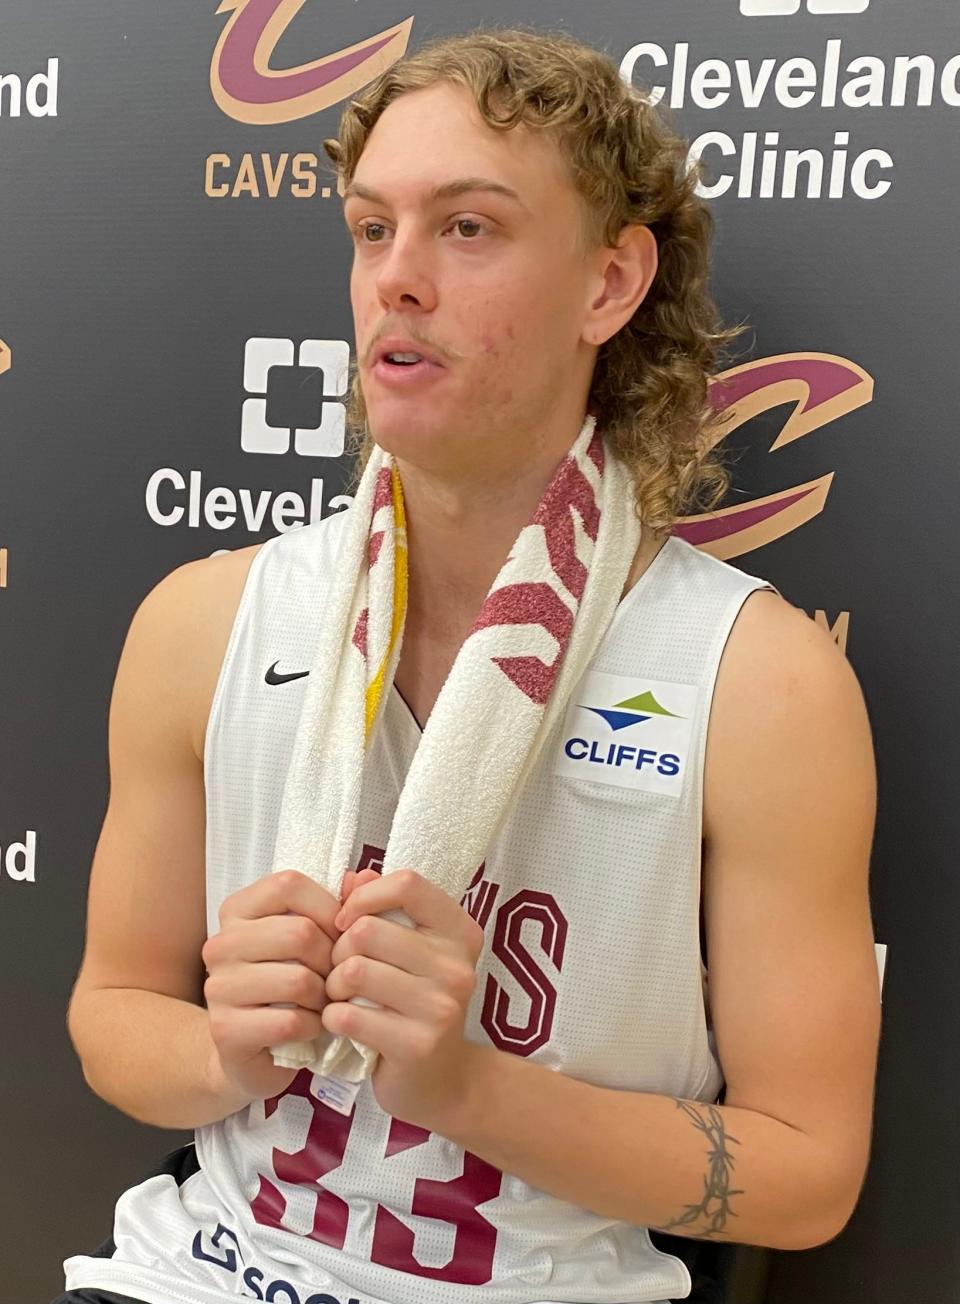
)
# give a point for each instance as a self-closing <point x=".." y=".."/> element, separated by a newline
<point x="589" y="900"/>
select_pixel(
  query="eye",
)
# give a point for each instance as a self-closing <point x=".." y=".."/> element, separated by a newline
<point x="467" y="221"/>
<point x="362" y="230"/>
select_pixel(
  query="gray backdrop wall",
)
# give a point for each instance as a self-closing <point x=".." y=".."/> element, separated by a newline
<point x="175" y="329"/>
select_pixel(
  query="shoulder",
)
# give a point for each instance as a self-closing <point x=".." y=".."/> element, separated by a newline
<point x="785" y="696"/>
<point x="211" y="587"/>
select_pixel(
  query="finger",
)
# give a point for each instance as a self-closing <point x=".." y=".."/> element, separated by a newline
<point x="251" y="1030"/>
<point x="382" y="939"/>
<point x="404" y="993"/>
<point x="353" y="878"/>
<point x="267" y="983"/>
<point x="287" y="890"/>
<point x="384" y="1031"/>
<point x="277" y="937"/>
<point x="427" y="905"/>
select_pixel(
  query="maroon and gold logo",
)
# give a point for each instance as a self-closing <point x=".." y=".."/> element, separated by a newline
<point x="823" y="387"/>
<point x="248" y="89"/>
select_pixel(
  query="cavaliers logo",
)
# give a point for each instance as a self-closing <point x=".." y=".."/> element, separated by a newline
<point x="245" y="86"/>
<point x="822" y="387"/>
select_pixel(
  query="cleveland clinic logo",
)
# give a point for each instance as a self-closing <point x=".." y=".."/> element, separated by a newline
<point x="777" y="8"/>
<point x="330" y="359"/>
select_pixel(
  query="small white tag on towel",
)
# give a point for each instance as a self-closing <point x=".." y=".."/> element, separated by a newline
<point x="630" y="732"/>
<point x="338" y="1093"/>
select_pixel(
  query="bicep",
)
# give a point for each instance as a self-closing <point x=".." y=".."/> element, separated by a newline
<point x="789" y="805"/>
<point x="146" y="915"/>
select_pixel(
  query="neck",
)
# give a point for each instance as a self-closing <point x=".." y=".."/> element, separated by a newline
<point x="458" y="540"/>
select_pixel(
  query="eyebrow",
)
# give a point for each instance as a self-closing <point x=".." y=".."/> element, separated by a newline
<point x="449" y="190"/>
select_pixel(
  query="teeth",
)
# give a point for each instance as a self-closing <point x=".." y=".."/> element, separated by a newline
<point x="404" y="357"/>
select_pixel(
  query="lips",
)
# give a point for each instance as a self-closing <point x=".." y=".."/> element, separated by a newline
<point x="405" y="373"/>
<point x="399" y="344"/>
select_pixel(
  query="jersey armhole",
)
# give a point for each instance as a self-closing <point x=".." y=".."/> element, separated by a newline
<point x="249" y="584"/>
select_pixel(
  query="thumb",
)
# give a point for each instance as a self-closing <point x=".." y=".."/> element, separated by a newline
<point x="356" y="878"/>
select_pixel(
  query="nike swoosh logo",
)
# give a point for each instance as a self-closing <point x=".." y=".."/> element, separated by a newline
<point x="273" y="678"/>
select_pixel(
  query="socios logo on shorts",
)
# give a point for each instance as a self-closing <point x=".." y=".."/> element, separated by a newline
<point x="653" y="759"/>
<point x="774" y="8"/>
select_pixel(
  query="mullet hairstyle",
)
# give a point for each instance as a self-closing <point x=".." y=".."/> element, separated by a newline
<point x="649" y="390"/>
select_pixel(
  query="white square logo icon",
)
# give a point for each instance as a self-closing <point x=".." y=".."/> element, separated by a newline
<point x="777" y="8"/>
<point x="326" y="438"/>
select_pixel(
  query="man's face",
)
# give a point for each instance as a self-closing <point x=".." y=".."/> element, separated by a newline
<point x="494" y="287"/>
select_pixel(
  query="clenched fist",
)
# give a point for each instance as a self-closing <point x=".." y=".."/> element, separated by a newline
<point x="273" y="949"/>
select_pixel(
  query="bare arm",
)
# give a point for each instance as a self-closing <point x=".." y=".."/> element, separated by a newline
<point x="793" y="983"/>
<point x="173" y="1027"/>
<point x="151" y="1056"/>
<point x="136" y="1016"/>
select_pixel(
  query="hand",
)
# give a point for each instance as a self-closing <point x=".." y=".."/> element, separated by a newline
<point x="423" y="977"/>
<point x="275" y="943"/>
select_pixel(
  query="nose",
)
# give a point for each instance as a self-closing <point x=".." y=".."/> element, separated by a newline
<point x="405" y="276"/>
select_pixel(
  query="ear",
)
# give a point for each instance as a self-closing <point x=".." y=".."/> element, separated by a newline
<point x="622" y="278"/>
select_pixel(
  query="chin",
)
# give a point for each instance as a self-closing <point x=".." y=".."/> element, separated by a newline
<point x="400" y="434"/>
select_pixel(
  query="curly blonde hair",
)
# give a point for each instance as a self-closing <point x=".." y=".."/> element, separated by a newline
<point x="649" y="390"/>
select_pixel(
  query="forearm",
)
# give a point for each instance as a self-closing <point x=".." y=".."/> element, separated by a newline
<point x="152" y="1056"/>
<point x="690" y="1168"/>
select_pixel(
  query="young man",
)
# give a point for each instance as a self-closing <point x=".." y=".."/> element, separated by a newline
<point x="551" y="1059"/>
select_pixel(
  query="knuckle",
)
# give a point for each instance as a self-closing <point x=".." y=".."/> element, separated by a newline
<point x="288" y="1025"/>
<point x="408" y="879"/>
<point x="458" y="979"/>
<point x="363" y="928"/>
<point x="353" y="968"/>
<point x="324" y="961"/>
<point x="302" y="984"/>
<point x="301" y="931"/>
<point x="308" y="930"/>
<point x="448" y="1007"/>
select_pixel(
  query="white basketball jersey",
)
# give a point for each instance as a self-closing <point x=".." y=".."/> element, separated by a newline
<point x="589" y="900"/>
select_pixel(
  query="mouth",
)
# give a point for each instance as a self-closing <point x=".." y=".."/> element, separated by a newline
<point x="405" y="366"/>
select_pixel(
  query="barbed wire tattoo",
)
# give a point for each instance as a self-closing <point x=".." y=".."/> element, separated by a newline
<point x="715" y="1205"/>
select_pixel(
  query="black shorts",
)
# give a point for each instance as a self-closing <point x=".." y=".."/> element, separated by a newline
<point x="182" y="1163"/>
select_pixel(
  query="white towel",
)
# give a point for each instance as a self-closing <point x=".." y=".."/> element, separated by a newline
<point x="536" y="633"/>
